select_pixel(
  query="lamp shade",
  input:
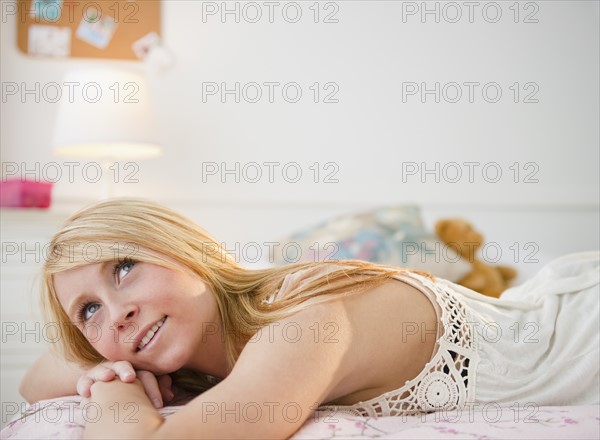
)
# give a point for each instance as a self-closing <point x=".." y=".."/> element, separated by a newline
<point x="105" y="114"/>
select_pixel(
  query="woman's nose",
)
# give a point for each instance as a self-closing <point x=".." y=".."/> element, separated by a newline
<point x="125" y="317"/>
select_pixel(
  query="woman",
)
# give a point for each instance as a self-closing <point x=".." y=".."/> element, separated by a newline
<point x="144" y="296"/>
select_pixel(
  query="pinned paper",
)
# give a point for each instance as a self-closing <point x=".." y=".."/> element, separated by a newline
<point x="49" y="40"/>
<point x="48" y="10"/>
<point x="142" y="47"/>
<point x="149" y="48"/>
<point x="97" y="31"/>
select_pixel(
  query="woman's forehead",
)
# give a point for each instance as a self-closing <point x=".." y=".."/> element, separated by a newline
<point x="81" y="274"/>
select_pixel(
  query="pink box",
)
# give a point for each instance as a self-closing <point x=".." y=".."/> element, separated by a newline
<point x="25" y="193"/>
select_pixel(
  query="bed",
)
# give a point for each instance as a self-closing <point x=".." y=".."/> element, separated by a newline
<point x="65" y="418"/>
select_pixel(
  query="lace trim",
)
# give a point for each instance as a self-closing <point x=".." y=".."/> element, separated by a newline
<point x="448" y="379"/>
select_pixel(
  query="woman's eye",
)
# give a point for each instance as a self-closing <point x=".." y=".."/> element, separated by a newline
<point x="92" y="308"/>
<point x="88" y="310"/>
<point x="123" y="268"/>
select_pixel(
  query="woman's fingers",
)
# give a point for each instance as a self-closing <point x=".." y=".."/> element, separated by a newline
<point x="124" y="370"/>
<point x="154" y="387"/>
<point x="83" y="385"/>
<point x="165" y="385"/>
<point x="99" y="373"/>
<point x="150" y="383"/>
<point x="105" y="372"/>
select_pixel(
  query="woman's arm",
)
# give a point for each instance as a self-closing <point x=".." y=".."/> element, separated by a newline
<point x="275" y="386"/>
<point x="50" y="377"/>
<point x="125" y="411"/>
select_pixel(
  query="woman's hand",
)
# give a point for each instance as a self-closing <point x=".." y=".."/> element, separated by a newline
<point x="158" y="388"/>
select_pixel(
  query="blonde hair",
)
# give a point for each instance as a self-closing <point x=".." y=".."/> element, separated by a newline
<point x="146" y="231"/>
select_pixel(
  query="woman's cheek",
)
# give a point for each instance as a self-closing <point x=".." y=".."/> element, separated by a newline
<point x="109" y="352"/>
<point x="106" y="344"/>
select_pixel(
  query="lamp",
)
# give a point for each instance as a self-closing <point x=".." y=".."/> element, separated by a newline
<point x="107" y="115"/>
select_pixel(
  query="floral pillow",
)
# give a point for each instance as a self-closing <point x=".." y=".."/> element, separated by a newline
<point x="392" y="235"/>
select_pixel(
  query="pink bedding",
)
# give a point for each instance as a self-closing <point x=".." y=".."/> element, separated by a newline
<point x="64" y="419"/>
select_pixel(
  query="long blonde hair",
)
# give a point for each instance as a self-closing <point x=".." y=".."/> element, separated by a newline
<point x="147" y="231"/>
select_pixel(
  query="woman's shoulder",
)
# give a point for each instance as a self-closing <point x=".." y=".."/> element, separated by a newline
<point x="358" y="323"/>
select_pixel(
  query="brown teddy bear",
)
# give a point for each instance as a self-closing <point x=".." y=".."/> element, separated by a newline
<point x="483" y="278"/>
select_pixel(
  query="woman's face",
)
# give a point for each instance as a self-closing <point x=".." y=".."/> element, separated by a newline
<point x="116" y="305"/>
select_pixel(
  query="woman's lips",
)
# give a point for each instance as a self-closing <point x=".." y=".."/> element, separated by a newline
<point x="154" y="336"/>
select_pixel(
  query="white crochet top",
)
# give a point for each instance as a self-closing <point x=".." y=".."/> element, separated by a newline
<point x="448" y="379"/>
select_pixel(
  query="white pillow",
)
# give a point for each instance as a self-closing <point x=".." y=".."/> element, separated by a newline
<point x="391" y="235"/>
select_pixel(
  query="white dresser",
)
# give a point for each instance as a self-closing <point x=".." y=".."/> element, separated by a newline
<point x="25" y="234"/>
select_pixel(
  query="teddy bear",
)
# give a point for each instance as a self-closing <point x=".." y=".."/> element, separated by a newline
<point x="490" y="280"/>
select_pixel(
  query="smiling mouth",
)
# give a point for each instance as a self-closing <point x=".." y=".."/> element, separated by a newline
<point x="149" y="337"/>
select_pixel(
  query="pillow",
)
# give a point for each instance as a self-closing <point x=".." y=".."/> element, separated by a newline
<point x="391" y="235"/>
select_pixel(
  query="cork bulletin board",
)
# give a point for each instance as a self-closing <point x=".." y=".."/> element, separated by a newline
<point x="113" y="29"/>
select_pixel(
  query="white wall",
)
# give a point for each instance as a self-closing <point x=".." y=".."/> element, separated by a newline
<point x="370" y="135"/>
<point x="370" y="139"/>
